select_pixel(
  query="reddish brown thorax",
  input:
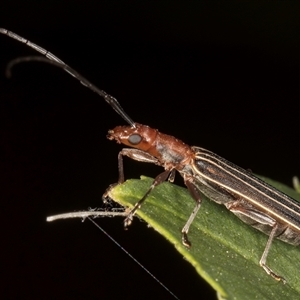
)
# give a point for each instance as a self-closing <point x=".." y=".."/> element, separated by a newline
<point x="162" y="146"/>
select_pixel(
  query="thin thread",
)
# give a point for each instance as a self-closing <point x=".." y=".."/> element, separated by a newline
<point x="134" y="259"/>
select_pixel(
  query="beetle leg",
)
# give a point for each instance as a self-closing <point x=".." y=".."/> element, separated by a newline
<point x="158" y="180"/>
<point x="263" y="259"/>
<point x="134" y="154"/>
<point x="137" y="155"/>
<point x="172" y="176"/>
<point x="246" y="214"/>
<point x="194" y="191"/>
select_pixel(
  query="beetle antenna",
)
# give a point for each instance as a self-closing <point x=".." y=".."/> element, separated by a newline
<point x="50" y="58"/>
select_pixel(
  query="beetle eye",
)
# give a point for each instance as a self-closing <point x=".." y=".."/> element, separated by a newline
<point x="135" y="139"/>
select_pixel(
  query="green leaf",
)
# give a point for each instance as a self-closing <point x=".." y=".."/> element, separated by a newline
<point x="225" y="251"/>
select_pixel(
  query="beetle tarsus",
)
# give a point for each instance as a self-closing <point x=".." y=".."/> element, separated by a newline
<point x="105" y="196"/>
<point x="128" y="220"/>
<point x="185" y="240"/>
<point x="273" y="274"/>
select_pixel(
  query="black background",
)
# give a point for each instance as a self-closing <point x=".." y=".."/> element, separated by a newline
<point x="221" y="76"/>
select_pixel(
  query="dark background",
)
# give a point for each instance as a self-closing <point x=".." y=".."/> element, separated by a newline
<point x="221" y="76"/>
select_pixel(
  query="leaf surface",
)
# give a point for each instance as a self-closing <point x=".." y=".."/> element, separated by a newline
<point x="225" y="251"/>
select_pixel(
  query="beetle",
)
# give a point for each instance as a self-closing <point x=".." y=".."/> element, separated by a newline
<point x="204" y="173"/>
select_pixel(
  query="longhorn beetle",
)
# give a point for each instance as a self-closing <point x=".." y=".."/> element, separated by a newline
<point x="204" y="172"/>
